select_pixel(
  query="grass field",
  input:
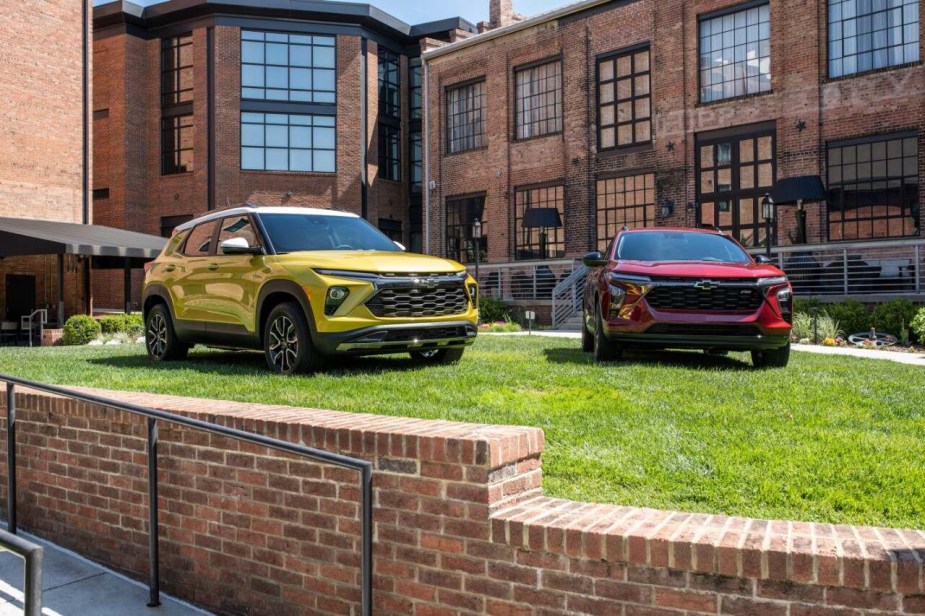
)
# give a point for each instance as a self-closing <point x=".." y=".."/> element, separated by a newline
<point x="829" y="439"/>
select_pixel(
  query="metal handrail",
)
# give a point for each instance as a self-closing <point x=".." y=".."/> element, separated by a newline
<point x="364" y="467"/>
<point x="32" y="554"/>
<point x="25" y="323"/>
<point x="566" y="301"/>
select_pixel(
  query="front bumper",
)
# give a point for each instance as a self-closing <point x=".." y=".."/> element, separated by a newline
<point x="381" y="339"/>
<point x="732" y="339"/>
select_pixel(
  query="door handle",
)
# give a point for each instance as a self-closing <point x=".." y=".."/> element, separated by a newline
<point x="213" y="267"/>
<point x="169" y="268"/>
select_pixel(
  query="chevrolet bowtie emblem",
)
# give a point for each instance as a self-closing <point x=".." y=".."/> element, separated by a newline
<point x="706" y="285"/>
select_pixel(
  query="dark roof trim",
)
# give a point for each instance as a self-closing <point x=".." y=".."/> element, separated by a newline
<point x="24" y="236"/>
<point x="371" y="17"/>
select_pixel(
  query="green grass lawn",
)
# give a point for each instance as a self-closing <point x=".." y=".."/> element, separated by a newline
<point x="829" y="439"/>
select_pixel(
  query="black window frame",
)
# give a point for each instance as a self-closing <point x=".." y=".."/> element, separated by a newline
<point x="470" y="207"/>
<point x="474" y="131"/>
<point x="415" y="89"/>
<point x="173" y="71"/>
<point x="841" y="29"/>
<point x="173" y="128"/>
<point x="316" y="96"/>
<point x="607" y="230"/>
<point x="525" y="247"/>
<point x="416" y="162"/>
<point x="289" y="125"/>
<point x="521" y="132"/>
<point x="389" y="152"/>
<point x="701" y="53"/>
<point x="615" y="57"/>
<point x="909" y="201"/>
<point x="189" y="236"/>
<point x="389" y="83"/>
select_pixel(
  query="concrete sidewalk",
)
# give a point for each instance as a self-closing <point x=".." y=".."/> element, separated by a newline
<point x="74" y="586"/>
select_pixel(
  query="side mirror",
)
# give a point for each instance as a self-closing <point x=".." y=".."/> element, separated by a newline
<point x="594" y="259"/>
<point x="239" y="246"/>
<point x="401" y="246"/>
<point x="763" y="260"/>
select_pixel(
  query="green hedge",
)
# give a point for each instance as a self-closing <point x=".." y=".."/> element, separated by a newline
<point x="892" y="317"/>
<point x="130" y="324"/>
<point x="854" y="317"/>
<point x="80" y="329"/>
<point x="492" y="309"/>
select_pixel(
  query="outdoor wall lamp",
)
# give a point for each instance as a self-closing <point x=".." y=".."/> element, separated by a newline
<point x="666" y="208"/>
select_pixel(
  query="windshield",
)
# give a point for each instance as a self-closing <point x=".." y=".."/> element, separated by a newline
<point x="680" y="246"/>
<point x="299" y="232"/>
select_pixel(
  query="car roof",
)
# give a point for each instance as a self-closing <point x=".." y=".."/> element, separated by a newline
<point x="709" y="231"/>
<point x="254" y="209"/>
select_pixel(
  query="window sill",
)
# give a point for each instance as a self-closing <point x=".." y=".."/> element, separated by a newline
<point x="628" y="149"/>
<point x="322" y="174"/>
<point x="734" y="99"/>
<point x="534" y="138"/>
<point x="180" y="174"/>
<point x="873" y="71"/>
<point x="470" y="150"/>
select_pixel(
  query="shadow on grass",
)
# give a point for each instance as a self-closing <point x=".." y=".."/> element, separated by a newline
<point x="683" y="359"/>
<point x="253" y="363"/>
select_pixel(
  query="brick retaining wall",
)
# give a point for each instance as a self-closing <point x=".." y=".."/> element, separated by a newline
<point x="462" y="526"/>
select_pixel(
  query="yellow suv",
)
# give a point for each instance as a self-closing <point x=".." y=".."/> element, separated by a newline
<point x="303" y="284"/>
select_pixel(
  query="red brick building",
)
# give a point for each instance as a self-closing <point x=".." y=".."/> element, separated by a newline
<point x="43" y="170"/>
<point x="674" y="112"/>
<point x="201" y="104"/>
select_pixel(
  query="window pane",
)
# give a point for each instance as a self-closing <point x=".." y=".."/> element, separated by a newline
<point x="540" y="242"/>
<point x="630" y="122"/>
<point x="291" y="67"/>
<point x="736" y="52"/>
<point x="466" y="117"/>
<point x="280" y="142"/>
<point x="538" y="100"/>
<point x="866" y="35"/>
<point x="626" y="201"/>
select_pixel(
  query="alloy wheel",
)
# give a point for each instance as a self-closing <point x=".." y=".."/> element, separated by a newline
<point x="157" y="336"/>
<point x="284" y="344"/>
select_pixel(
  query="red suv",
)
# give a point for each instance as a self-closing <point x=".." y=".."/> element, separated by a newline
<point x="689" y="289"/>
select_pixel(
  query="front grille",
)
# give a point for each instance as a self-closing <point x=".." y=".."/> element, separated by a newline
<point x="409" y="302"/>
<point x="423" y="334"/>
<point x="671" y="329"/>
<point x="719" y="299"/>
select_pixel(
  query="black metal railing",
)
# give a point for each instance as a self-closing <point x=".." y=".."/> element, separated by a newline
<point x="31" y="553"/>
<point x="362" y="466"/>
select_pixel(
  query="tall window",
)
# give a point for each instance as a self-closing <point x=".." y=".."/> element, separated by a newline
<point x="539" y="242"/>
<point x="626" y="201"/>
<point x="538" y="100"/>
<point x="416" y="102"/>
<point x="465" y="117"/>
<point x="177" y="104"/>
<point x="287" y="142"/>
<point x="389" y="153"/>
<point x="389" y="84"/>
<point x="417" y="162"/>
<point x="461" y="213"/>
<point x="624" y="99"/>
<point x="735" y="54"/>
<point x="288" y="67"/>
<point x="177" y="70"/>
<point x="176" y="144"/>
<point x="865" y="35"/>
<point x="735" y="173"/>
<point x="874" y="188"/>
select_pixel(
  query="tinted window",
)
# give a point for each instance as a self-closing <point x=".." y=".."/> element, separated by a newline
<point x="679" y="246"/>
<point x="298" y="232"/>
<point x="237" y="226"/>
<point x="200" y="240"/>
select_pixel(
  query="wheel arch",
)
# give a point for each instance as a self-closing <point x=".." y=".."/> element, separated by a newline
<point x="276" y="292"/>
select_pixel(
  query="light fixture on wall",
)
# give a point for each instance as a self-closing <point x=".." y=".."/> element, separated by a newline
<point x="666" y="208"/>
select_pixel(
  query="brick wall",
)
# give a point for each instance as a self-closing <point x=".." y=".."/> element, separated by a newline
<point x="461" y="524"/>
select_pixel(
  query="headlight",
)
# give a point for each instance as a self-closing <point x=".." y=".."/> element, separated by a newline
<point x="616" y="277"/>
<point x="773" y="280"/>
<point x="785" y="301"/>
<point x="473" y="289"/>
<point x="617" y="298"/>
<point x="334" y="298"/>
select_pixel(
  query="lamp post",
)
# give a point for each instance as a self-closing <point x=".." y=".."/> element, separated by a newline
<point x="767" y="212"/>
<point x="477" y="244"/>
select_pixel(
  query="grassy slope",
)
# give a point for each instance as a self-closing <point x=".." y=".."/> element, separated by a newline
<point x="828" y="439"/>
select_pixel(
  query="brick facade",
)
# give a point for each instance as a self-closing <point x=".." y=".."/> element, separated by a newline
<point x="806" y="109"/>
<point x="41" y="125"/>
<point x="461" y="524"/>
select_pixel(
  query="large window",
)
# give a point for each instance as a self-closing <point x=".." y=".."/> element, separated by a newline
<point x="538" y="100"/>
<point x="177" y="70"/>
<point x="176" y="144"/>
<point x="869" y="34"/>
<point x="461" y="213"/>
<point x="288" y="67"/>
<point x="622" y="201"/>
<point x="539" y="242"/>
<point x="417" y="162"/>
<point x="874" y="188"/>
<point x="389" y="153"/>
<point x="624" y="99"/>
<point x="735" y="54"/>
<point x="416" y="102"/>
<point x="389" y="84"/>
<point x="735" y="172"/>
<point x="287" y="142"/>
<point x="465" y="117"/>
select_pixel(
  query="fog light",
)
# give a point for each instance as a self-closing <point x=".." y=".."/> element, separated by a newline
<point x="334" y="299"/>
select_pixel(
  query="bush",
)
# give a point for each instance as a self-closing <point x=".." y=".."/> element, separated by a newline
<point x="825" y="327"/>
<point x="129" y="324"/>
<point x="889" y="318"/>
<point x="492" y="309"/>
<point x="806" y="305"/>
<point x="851" y="315"/>
<point x="918" y="325"/>
<point x="80" y="329"/>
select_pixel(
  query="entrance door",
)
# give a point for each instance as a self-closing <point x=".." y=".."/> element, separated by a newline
<point x="20" y="296"/>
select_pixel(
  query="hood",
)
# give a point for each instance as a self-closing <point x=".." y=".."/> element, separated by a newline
<point x="697" y="269"/>
<point x="367" y="261"/>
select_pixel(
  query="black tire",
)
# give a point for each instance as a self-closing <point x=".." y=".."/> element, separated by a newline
<point x="777" y="358"/>
<point x="287" y="342"/>
<point x="160" y="337"/>
<point x="587" y="338"/>
<point x="438" y="356"/>
<point x="604" y="350"/>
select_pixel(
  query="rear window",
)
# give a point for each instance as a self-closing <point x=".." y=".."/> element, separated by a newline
<point x="680" y="246"/>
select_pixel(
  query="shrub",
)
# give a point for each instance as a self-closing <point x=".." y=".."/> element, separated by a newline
<point x="492" y="309"/>
<point x="890" y="318"/>
<point x="917" y="325"/>
<point x="80" y="329"/>
<point x="806" y="305"/>
<point x="825" y="327"/>
<point x="129" y="324"/>
<point x="851" y="315"/>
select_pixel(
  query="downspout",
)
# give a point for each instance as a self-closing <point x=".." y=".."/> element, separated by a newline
<point x="210" y="118"/>
<point x="85" y="48"/>
<point x="426" y="179"/>
<point x="364" y="120"/>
